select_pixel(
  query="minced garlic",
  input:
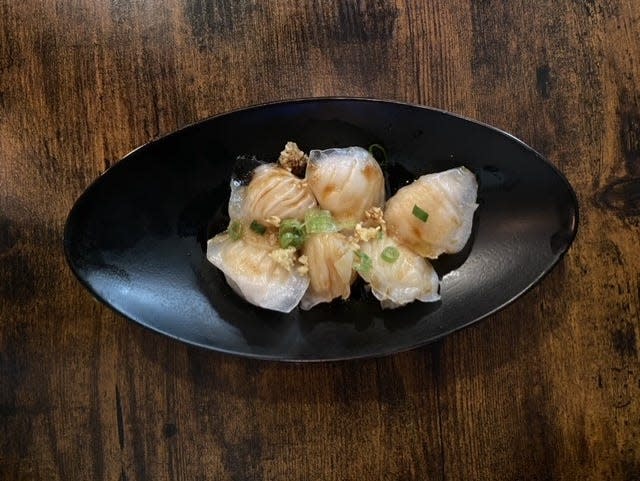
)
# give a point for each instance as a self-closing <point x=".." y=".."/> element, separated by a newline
<point x="303" y="268"/>
<point x="292" y="158"/>
<point x="365" y="234"/>
<point x="284" y="257"/>
<point x="273" y="220"/>
<point x="373" y="217"/>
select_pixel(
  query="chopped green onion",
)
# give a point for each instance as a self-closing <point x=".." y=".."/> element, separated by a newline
<point x="288" y="225"/>
<point x="319" y="221"/>
<point x="390" y="254"/>
<point x="257" y="227"/>
<point x="291" y="233"/>
<point x="363" y="264"/>
<point x="291" y="239"/>
<point x="419" y="213"/>
<point x="379" y="148"/>
<point x="235" y="230"/>
<point x="288" y="239"/>
<point x="380" y="234"/>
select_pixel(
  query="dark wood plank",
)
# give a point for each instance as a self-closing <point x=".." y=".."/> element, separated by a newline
<point x="546" y="389"/>
<point x="551" y="395"/>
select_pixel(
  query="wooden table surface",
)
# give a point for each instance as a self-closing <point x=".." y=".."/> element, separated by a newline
<point x="547" y="389"/>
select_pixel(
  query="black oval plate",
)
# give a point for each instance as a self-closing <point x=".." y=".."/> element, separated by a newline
<point x="136" y="236"/>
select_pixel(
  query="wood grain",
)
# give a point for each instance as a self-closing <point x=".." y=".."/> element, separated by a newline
<point x="548" y="388"/>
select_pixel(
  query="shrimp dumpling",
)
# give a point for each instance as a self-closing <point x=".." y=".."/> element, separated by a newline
<point x="434" y="214"/>
<point x="272" y="191"/>
<point x="398" y="282"/>
<point x="345" y="181"/>
<point x="254" y="274"/>
<point x="330" y="262"/>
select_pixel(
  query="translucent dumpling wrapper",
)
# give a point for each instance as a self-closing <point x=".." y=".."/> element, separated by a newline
<point x="330" y="262"/>
<point x="434" y="214"/>
<point x="345" y="181"/>
<point x="406" y="279"/>
<point x="272" y="191"/>
<point x="254" y="275"/>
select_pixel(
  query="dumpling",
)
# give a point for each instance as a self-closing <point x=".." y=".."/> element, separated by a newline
<point x="272" y="191"/>
<point x="330" y="263"/>
<point x="407" y="278"/>
<point x="254" y="274"/>
<point x="434" y="214"/>
<point x="345" y="181"/>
